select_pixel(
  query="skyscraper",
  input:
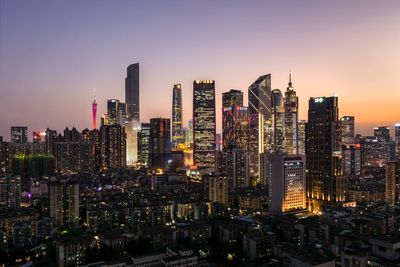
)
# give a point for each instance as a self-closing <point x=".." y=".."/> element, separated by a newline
<point x="132" y="92"/>
<point x="278" y="118"/>
<point x="132" y="129"/>
<point x="19" y="134"/>
<point x="216" y="188"/>
<point x="392" y="189"/>
<point x="235" y="121"/>
<point x="114" y="112"/>
<point x="291" y="109"/>
<point x="232" y="98"/>
<point x="287" y="183"/>
<point x="397" y="140"/>
<point x="64" y="202"/>
<point x="112" y="146"/>
<point x="160" y="142"/>
<point x="351" y="160"/>
<point x="177" y="131"/>
<point x="204" y="124"/>
<point x="324" y="180"/>
<point x="260" y="115"/>
<point x="301" y="136"/>
<point x="94" y="114"/>
<point x="10" y="192"/>
<point x="347" y="130"/>
<point x="144" y="144"/>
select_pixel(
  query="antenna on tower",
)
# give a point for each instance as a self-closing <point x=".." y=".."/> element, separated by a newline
<point x="290" y="78"/>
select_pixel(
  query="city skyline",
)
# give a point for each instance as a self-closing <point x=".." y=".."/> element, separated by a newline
<point x="351" y="68"/>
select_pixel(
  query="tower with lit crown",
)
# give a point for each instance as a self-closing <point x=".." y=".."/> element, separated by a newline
<point x="291" y="107"/>
<point x="177" y="131"/>
<point x="94" y="112"/>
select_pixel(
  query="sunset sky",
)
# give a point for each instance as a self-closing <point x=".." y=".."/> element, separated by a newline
<point x="53" y="53"/>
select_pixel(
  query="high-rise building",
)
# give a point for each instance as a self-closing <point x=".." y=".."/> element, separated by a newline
<point x="177" y="123"/>
<point x="301" y="136"/>
<point x="160" y="142"/>
<point x="144" y="144"/>
<point x="371" y="152"/>
<point x="216" y="188"/>
<point x="10" y="192"/>
<point x="347" y="130"/>
<point x="51" y="135"/>
<point x="189" y="135"/>
<point x="397" y="140"/>
<point x="392" y="190"/>
<point x="132" y="128"/>
<point x="204" y="124"/>
<point x="382" y="133"/>
<point x="232" y="98"/>
<point x="64" y="202"/>
<point x="287" y="185"/>
<point x="94" y="114"/>
<point x="114" y="112"/>
<point x="234" y="164"/>
<point x="278" y="120"/>
<point x="113" y="146"/>
<point x="235" y="121"/>
<point x="132" y="92"/>
<point x="324" y="178"/>
<point x="260" y="115"/>
<point x="351" y="160"/>
<point x="19" y="134"/>
<point x="291" y="109"/>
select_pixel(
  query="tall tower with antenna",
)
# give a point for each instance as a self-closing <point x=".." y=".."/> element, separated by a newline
<point x="94" y="110"/>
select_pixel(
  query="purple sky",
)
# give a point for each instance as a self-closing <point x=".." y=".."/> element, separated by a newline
<point x="53" y="53"/>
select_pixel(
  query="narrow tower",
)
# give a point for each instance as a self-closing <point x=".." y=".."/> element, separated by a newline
<point x="94" y="112"/>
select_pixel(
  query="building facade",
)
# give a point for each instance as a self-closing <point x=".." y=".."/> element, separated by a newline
<point x="291" y="108"/>
<point x="204" y="127"/>
<point x="324" y="178"/>
<point x="260" y="115"/>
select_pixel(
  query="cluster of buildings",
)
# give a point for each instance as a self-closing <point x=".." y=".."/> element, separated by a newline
<point x="270" y="190"/>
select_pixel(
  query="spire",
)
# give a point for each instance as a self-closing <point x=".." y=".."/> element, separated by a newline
<point x="290" y="79"/>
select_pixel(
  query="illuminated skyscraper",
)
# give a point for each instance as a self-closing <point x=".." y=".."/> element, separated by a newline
<point x="324" y="178"/>
<point x="235" y="121"/>
<point x="144" y="144"/>
<point x="232" y="98"/>
<point x="216" y="188"/>
<point x="10" y="192"/>
<point x="235" y="165"/>
<point x="397" y="140"/>
<point x="204" y="124"/>
<point x="392" y="190"/>
<point x="347" y="130"/>
<point x="351" y="160"/>
<point x="132" y="92"/>
<point x="64" y="202"/>
<point x="301" y="136"/>
<point x="177" y="130"/>
<point x="287" y="183"/>
<point x="132" y="131"/>
<point x="94" y="114"/>
<point x="291" y="108"/>
<point x="160" y="142"/>
<point x="189" y="134"/>
<point x="260" y="115"/>
<point x="113" y="146"/>
<point x="114" y="112"/>
<point x="19" y="134"/>
<point x="278" y="118"/>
